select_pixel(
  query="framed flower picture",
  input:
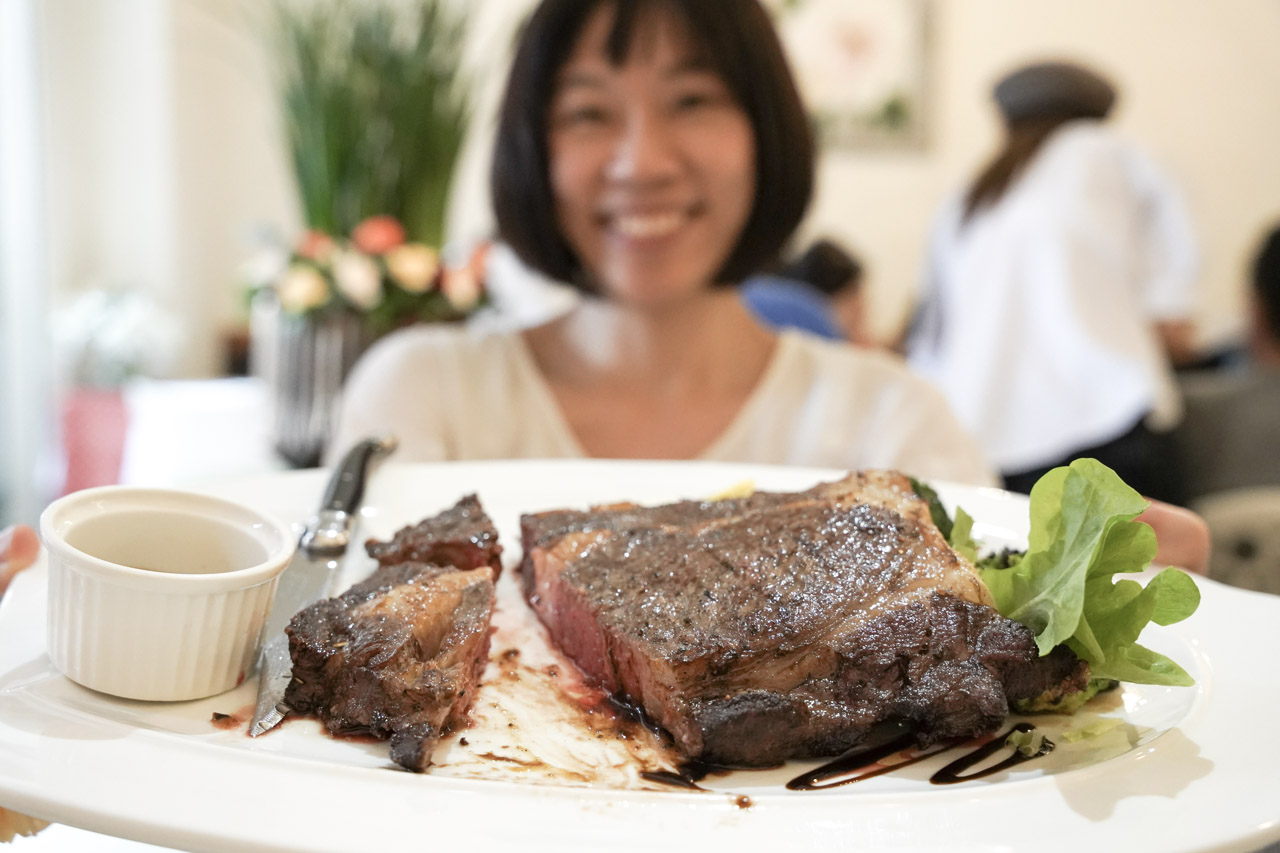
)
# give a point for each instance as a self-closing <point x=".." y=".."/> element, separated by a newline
<point x="862" y="68"/>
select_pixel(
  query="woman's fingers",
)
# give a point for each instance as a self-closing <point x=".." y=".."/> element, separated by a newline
<point x="19" y="546"/>
<point x="13" y="824"/>
<point x="1182" y="537"/>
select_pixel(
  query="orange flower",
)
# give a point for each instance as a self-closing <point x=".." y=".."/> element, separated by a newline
<point x="378" y="234"/>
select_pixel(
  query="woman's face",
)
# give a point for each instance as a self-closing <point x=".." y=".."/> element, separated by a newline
<point x="652" y="163"/>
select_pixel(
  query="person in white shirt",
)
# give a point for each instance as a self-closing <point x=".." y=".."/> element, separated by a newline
<point x="1058" y="288"/>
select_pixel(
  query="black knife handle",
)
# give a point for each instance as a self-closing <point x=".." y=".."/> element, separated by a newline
<point x="328" y="531"/>
<point x="346" y="487"/>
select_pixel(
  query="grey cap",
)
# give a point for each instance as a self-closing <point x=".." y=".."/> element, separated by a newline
<point x="1054" y="89"/>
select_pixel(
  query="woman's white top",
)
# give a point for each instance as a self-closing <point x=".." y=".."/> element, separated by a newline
<point x="451" y="393"/>
<point x="1038" y="314"/>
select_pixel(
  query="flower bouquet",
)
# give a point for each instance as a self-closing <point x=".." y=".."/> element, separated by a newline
<point x="375" y="275"/>
<point x="374" y="112"/>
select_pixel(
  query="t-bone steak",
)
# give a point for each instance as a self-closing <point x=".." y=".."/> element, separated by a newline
<point x="783" y="625"/>
<point x="400" y="655"/>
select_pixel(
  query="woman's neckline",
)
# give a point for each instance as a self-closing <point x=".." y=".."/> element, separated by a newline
<point x="774" y="369"/>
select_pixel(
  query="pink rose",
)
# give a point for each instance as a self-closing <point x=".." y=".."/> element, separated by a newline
<point x="378" y="234"/>
<point x="316" y="246"/>
<point x="461" y="286"/>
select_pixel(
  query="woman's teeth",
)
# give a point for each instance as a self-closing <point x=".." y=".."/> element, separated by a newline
<point x="648" y="225"/>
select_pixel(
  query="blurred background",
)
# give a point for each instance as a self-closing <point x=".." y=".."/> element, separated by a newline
<point x="144" y="166"/>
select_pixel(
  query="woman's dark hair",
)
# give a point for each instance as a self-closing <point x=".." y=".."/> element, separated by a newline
<point x="738" y="42"/>
<point x="1266" y="280"/>
<point x="1022" y="141"/>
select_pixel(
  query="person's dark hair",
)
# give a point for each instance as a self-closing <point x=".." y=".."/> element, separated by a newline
<point x="1023" y="140"/>
<point x="1035" y="100"/>
<point x="826" y="267"/>
<point x="1266" y="280"/>
<point x="739" y="44"/>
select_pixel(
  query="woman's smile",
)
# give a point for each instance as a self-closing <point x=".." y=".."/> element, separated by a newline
<point x="649" y="226"/>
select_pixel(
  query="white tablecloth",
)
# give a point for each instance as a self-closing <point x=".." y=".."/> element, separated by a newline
<point x="184" y="431"/>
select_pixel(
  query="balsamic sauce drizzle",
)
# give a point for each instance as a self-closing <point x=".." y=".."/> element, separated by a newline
<point x="952" y="773"/>
<point x="867" y="760"/>
<point x="675" y="780"/>
<point x="689" y="774"/>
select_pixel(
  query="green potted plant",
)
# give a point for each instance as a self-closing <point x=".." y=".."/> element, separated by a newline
<point x="375" y="111"/>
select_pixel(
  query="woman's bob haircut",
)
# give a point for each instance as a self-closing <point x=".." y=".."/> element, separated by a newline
<point x="737" y="41"/>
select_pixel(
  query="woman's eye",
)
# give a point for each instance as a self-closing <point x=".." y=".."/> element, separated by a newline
<point x="701" y="97"/>
<point x="693" y="100"/>
<point x="582" y="116"/>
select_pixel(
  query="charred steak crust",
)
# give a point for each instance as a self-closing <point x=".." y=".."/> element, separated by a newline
<point x="400" y="655"/>
<point x="462" y="536"/>
<point x="782" y="625"/>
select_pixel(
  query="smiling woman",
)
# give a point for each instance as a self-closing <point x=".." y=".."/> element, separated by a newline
<point x="653" y="153"/>
<point x="714" y="80"/>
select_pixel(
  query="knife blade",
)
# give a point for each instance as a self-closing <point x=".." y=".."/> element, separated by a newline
<point x="311" y="573"/>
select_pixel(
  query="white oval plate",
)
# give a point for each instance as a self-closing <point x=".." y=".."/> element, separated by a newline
<point x="162" y="773"/>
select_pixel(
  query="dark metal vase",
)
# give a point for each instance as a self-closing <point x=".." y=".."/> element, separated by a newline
<point x="303" y="359"/>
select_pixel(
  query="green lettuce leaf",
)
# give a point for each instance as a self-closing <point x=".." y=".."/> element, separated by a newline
<point x="961" y="538"/>
<point x="937" y="512"/>
<point x="1063" y="589"/>
<point x="958" y="533"/>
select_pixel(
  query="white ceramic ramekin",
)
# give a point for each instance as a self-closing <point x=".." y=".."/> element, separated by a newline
<point x="159" y="594"/>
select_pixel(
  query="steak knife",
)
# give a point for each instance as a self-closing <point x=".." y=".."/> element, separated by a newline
<point x="311" y="574"/>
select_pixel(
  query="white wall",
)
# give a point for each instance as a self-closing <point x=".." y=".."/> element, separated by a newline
<point x="164" y="146"/>
<point x="29" y="462"/>
<point x="162" y="151"/>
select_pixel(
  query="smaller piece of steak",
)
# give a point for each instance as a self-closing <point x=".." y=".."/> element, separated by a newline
<point x="400" y="655"/>
<point x="461" y="536"/>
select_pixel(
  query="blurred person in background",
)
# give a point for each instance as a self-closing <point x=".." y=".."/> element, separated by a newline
<point x="820" y="291"/>
<point x="1231" y="429"/>
<point x="1058" y="289"/>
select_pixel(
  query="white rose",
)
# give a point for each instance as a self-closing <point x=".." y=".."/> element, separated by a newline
<point x="413" y="266"/>
<point x="462" y="288"/>
<point x="301" y="288"/>
<point x="358" y="279"/>
<point x="265" y="265"/>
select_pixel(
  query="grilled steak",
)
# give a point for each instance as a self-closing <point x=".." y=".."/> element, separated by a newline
<point x="400" y="655"/>
<point x="783" y="625"/>
<point x="461" y="536"/>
